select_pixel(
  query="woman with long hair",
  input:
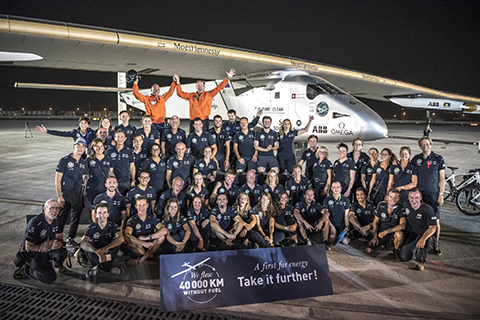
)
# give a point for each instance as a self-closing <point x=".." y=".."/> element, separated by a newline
<point x="285" y="223"/>
<point x="344" y="170"/>
<point x="198" y="219"/>
<point x="106" y="123"/>
<point x="379" y="183"/>
<point x="403" y="176"/>
<point x="322" y="174"/>
<point x="207" y="167"/>
<point x="243" y="209"/>
<point x="177" y="225"/>
<point x="197" y="188"/>
<point x="156" y="166"/>
<point x="263" y="212"/>
<point x="99" y="167"/>
<point x="272" y="184"/>
<point x="285" y="155"/>
<point x="369" y="168"/>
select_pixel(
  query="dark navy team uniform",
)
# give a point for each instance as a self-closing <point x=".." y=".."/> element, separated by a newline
<point x="181" y="168"/>
<point x="149" y="140"/>
<point x="274" y="193"/>
<point x="418" y="222"/>
<point x="297" y="190"/>
<point x="149" y="193"/>
<point x="336" y="208"/>
<point x="365" y="215"/>
<point x="72" y="183"/>
<point x="121" y="160"/>
<point x="38" y="265"/>
<point x="203" y="193"/>
<point x="198" y="220"/>
<point x="233" y="127"/>
<point x="116" y="205"/>
<point x="99" y="170"/>
<point x="285" y="155"/>
<point x="402" y="177"/>
<point x="220" y="139"/>
<point x="100" y="238"/>
<point x="264" y="140"/>
<point x="138" y="158"/>
<point x="312" y="214"/>
<point x="387" y="221"/>
<point x="246" y="149"/>
<point x="171" y="139"/>
<point x="285" y="218"/>
<point x="226" y="219"/>
<point x="167" y="195"/>
<point x="157" y="171"/>
<point x="128" y="130"/>
<point x="254" y="194"/>
<point x="381" y="184"/>
<point x="141" y="228"/>
<point x="428" y="173"/>
<point x="232" y="193"/>
<point x="255" y="234"/>
<point x="362" y="160"/>
<point x="368" y="170"/>
<point x="75" y="134"/>
<point x="197" y="143"/>
<point x="341" y="172"/>
<point x="205" y="168"/>
<point x="310" y="158"/>
<point x="175" y="228"/>
<point x="320" y="176"/>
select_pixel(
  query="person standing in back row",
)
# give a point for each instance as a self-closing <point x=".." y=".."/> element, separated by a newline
<point x="201" y="101"/>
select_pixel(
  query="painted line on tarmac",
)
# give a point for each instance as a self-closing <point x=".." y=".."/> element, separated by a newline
<point x="461" y="234"/>
<point x="18" y="201"/>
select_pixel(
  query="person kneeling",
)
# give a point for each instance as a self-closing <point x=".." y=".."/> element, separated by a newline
<point x="100" y="243"/>
<point x="177" y="225"/>
<point x="143" y="234"/>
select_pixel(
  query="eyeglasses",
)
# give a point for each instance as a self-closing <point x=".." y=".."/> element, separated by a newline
<point x="144" y="178"/>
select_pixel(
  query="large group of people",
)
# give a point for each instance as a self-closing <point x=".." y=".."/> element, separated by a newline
<point x="155" y="190"/>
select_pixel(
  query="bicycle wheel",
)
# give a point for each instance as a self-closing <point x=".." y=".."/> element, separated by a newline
<point x="449" y="191"/>
<point x="468" y="199"/>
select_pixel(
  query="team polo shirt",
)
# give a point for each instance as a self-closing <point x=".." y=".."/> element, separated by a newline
<point x="428" y="172"/>
<point x="368" y="170"/>
<point x="203" y="193"/>
<point x="157" y="172"/>
<point x="232" y="193"/>
<point x="197" y="143"/>
<point x="198" y="218"/>
<point x="138" y="158"/>
<point x="381" y="182"/>
<point x="128" y="130"/>
<point x="99" y="237"/>
<point x="220" y="138"/>
<point x="149" y="193"/>
<point x="205" y="168"/>
<point x="285" y="146"/>
<point x="233" y="127"/>
<point x="263" y="218"/>
<point x="310" y="158"/>
<point x="365" y="215"/>
<point x="253" y="194"/>
<point x="287" y="215"/>
<point x="310" y="213"/>
<point x="99" y="170"/>
<point x="388" y="221"/>
<point x="418" y="221"/>
<point x="116" y="205"/>
<point x="320" y="170"/>
<point x="297" y="189"/>
<point x="121" y="160"/>
<point x="341" y="172"/>
<point x="401" y="176"/>
<point x="39" y="230"/>
<point x="173" y="226"/>
<point x="362" y="160"/>
<point x="75" y="134"/>
<point x="167" y="195"/>
<point x="225" y="219"/>
<point x="73" y="172"/>
<point x="244" y="142"/>
<point x="274" y="193"/>
<point x="143" y="228"/>
<point x="336" y="208"/>
<point x="180" y="168"/>
<point x="266" y="139"/>
<point x="171" y="139"/>
<point x="148" y="140"/>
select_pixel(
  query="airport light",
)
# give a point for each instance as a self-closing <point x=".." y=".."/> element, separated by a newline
<point x="23" y="109"/>
<point x="50" y="109"/>
<point x="78" y="109"/>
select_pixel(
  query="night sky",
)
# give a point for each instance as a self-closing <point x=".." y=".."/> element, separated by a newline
<point x="430" y="43"/>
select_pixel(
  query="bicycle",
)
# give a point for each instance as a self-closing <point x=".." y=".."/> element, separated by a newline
<point x="451" y="188"/>
<point x="468" y="198"/>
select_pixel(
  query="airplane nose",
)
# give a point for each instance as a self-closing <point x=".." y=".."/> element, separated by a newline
<point x="374" y="127"/>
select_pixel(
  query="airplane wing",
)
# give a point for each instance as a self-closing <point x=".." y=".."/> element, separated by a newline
<point x="73" y="46"/>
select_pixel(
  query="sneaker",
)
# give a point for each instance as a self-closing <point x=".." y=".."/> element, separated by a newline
<point x="436" y="249"/>
<point x="91" y="273"/>
<point x="72" y="242"/>
<point x="116" y="271"/>
<point x="309" y="243"/>
<point x="419" y="266"/>
<point x="20" y="273"/>
<point x="345" y="241"/>
<point x="327" y="246"/>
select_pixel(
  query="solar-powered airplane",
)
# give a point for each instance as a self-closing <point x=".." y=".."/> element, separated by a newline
<point x="283" y="87"/>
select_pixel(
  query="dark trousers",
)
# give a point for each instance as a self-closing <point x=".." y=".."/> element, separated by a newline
<point x="286" y="161"/>
<point x="38" y="265"/>
<point x="171" y="248"/>
<point x="256" y="237"/>
<point x="409" y="249"/>
<point x="92" y="257"/>
<point x="74" y="207"/>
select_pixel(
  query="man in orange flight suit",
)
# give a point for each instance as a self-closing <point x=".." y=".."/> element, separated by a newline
<point x="201" y="101"/>
<point x="155" y="103"/>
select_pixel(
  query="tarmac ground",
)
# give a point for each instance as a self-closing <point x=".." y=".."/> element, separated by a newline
<point x="364" y="285"/>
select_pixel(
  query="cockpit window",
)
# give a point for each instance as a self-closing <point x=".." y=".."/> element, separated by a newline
<point x="314" y="90"/>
